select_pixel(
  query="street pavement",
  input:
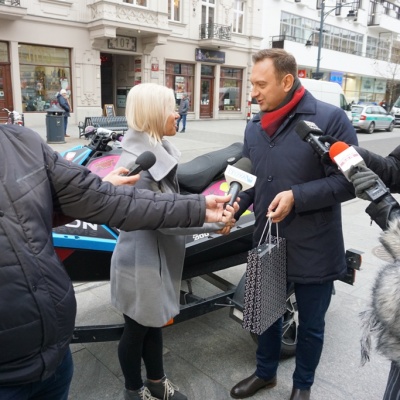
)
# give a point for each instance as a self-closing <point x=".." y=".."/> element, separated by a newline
<point x="207" y="355"/>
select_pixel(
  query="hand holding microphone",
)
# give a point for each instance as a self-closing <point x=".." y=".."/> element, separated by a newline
<point x="363" y="179"/>
<point x="353" y="168"/>
<point x="239" y="178"/>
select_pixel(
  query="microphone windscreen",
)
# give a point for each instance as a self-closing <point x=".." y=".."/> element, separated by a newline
<point x="337" y="148"/>
<point x="244" y="164"/>
<point x="146" y="160"/>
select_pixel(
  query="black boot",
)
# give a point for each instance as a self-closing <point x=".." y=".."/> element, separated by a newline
<point x="165" y="390"/>
<point x="300" y="394"/>
<point x="141" y="394"/>
<point x="249" y="386"/>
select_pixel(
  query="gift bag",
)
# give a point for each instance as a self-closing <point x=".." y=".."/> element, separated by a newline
<point x="265" y="284"/>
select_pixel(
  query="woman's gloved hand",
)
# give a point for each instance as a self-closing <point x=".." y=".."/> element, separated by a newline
<point x="362" y="178"/>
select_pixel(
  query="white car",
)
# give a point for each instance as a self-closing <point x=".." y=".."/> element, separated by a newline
<point x="370" y="117"/>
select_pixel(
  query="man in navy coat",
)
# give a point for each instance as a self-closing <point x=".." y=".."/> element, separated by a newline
<point x="303" y="195"/>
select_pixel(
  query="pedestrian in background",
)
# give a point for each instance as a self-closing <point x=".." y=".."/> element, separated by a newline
<point x="64" y="103"/>
<point x="297" y="191"/>
<point x="182" y="111"/>
<point x="146" y="266"/>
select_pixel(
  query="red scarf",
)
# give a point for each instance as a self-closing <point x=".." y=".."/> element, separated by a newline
<point x="271" y="121"/>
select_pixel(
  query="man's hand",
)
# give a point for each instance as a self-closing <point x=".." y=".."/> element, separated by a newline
<point x="362" y="178"/>
<point x="216" y="211"/>
<point x="227" y="228"/>
<point x="116" y="177"/>
<point x="281" y="206"/>
<point x="330" y="140"/>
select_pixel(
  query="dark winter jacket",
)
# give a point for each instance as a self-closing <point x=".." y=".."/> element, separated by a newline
<point x="283" y="162"/>
<point x="64" y="105"/>
<point x="37" y="303"/>
<point x="184" y="106"/>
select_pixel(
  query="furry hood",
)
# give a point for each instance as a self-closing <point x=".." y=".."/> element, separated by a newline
<point x="390" y="239"/>
<point x="382" y="320"/>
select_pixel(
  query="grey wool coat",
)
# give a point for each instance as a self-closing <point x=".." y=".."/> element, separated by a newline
<point x="146" y="266"/>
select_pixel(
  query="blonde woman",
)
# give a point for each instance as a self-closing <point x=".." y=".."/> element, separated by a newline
<point x="146" y="266"/>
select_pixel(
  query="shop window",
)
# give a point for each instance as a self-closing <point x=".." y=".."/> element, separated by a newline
<point x="230" y="92"/>
<point x="180" y="78"/>
<point x="44" y="71"/>
<point x="4" y="52"/>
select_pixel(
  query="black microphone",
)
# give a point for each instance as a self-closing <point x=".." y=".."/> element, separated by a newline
<point x="309" y="132"/>
<point x="239" y="178"/>
<point x="145" y="161"/>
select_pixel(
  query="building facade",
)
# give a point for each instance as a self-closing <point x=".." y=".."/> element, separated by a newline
<point x="354" y="43"/>
<point x="98" y="49"/>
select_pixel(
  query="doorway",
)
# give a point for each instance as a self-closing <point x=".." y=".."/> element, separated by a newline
<point x="6" y="100"/>
<point x="107" y="85"/>
<point x="206" y="97"/>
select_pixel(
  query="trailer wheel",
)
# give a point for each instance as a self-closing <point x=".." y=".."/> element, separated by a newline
<point x="290" y="326"/>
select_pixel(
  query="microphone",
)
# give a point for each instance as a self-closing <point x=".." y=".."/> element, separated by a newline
<point x="309" y="132"/>
<point x="144" y="162"/>
<point x="346" y="157"/>
<point x="239" y="178"/>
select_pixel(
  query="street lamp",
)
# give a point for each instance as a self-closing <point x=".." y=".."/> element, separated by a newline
<point x="352" y="14"/>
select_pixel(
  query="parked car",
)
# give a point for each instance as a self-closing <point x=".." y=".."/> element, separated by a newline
<point x="395" y="111"/>
<point x="369" y="117"/>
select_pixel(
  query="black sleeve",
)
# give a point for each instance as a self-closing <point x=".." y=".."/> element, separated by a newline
<point x="387" y="168"/>
<point x="385" y="211"/>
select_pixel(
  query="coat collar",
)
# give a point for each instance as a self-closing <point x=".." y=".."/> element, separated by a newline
<point x="167" y="155"/>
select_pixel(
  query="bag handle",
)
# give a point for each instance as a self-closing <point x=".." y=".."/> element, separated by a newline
<point x="268" y="225"/>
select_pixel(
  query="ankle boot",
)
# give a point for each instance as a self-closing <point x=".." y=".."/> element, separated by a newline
<point x="300" y="394"/>
<point x="141" y="394"/>
<point x="165" y="390"/>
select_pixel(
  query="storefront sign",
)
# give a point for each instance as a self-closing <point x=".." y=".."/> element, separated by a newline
<point x="337" y="77"/>
<point x="122" y="43"/>
<point x="154" y="71"/>
<point x="213" y="56"/>
<point x="301" y="73"/>
<point x="367" y="85"/>
<point x="380" y="86"/>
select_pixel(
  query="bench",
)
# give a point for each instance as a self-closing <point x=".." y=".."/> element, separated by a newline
<point x="117" y="124"/>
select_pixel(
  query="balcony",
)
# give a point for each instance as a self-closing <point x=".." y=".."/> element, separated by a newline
<point x="215" y="36"/>
<point x="110" y="18"/>
<point x="11" y="10"/>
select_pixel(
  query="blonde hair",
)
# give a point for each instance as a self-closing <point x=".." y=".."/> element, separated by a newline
<point x="148" y="107"/>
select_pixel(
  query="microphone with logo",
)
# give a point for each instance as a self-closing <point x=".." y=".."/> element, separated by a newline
<point x="239" y="178"/>
<point x="346" y="157"/>
<point x="144" y="162"/>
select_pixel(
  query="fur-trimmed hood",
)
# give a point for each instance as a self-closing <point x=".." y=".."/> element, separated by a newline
<point x="382" y="319"/>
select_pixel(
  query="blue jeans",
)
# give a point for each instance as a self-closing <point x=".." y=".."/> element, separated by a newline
<point x="183" y="118"/>
<point x="65" y="124"/>
<point x="54" y="388"/>
<point x="312" y="302"/>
